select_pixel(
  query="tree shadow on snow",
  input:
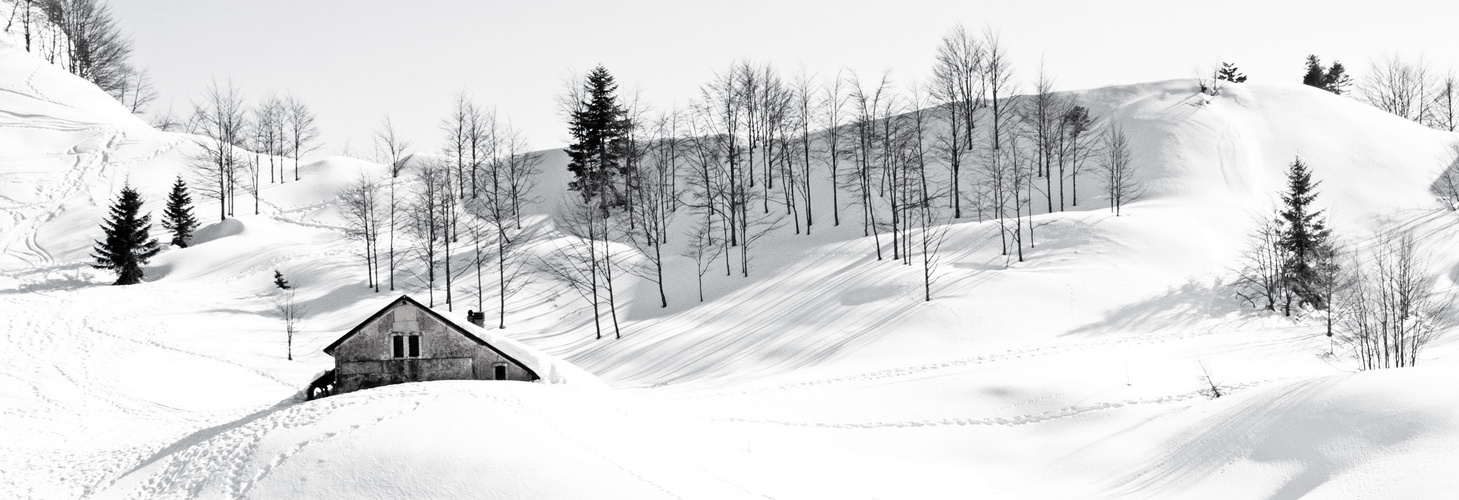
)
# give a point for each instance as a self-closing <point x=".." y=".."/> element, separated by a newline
<point x="1183" y="307"/>
<point x="60" y="278"/>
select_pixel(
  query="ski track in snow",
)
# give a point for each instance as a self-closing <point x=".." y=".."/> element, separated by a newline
<point x="71" y="467"/>
<point x="1068" y="412"/>
<point x="190" y="473"/>
<point x="906" y="371"/>
<point x="233" y="451"/>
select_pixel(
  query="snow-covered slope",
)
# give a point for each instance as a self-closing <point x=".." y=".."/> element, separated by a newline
<point x="1076" y="373"/>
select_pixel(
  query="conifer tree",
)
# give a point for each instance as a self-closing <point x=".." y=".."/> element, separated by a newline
<point x="599" y="129"/>
<point x="1332" y="79"/>
<point x="178" y="216"/>
<point x="1316" y="75"/>
<point x="1304" y="238"/>
<point x="128" y="245"/>
<point x="1229" y="73"/>
<point x="1336" y="80"/>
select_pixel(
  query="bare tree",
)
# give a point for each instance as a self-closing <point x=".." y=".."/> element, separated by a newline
<point x="1332" y="281"/>
<point x="1020" y="166"/>
<point x="267" y="117"/>
<point x="27" y="16"/>
<point x="492" y="210"/>
<point x="219" y="160"/>
<point x="957" y="87"/>
<point x="301" y="131"/>
<point x="1119" y="178"/>
<point x="288" y="310"/>
<point x="95" y="48"/>
<point x="428" y="221"/>
<point x="1076" y="145"/>
<point x="1444" y="112"/>
<point x="135" y="91"/>
<point x="707" y="184"/>
<point x="998" y="82"/>
<point x="518" y="174"/>
<point x="833" y="103"/>
<point x="576" y="261"/>
<point x="460" y="128"/>
<point x="360" y="201"/>
<point x="703" y="249"/>
<point x="1042" y="114"/>
<point x="804" y="104"/>
<point x="868" y="152"/>
<point x="1399" y="87"/>
<point x="251" y="167"/>
<point x="655" y="196"/>
<point x="1262" y="277"/>
<point x="394" y="152"/>
<point x="1393" y="311"/>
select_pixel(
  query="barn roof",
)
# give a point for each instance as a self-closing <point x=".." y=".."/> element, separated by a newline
<point x="464" y="330"/>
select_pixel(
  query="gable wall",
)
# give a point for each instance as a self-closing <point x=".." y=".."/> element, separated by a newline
<point x="365" y="359"/>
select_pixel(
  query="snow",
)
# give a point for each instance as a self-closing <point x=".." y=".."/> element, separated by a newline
<point x="1076" y="374"/>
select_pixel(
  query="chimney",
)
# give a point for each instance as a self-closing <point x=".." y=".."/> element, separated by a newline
<point x="476" y="318"/>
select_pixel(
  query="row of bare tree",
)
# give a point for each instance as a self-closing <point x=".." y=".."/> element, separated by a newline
<point x="757" y="148"/>
<point x="755" y="152"/>
<point x="83" y="37"/>
<point x="456" y="214"/>
<point x="236" y="139"/>
<point x="1413" y="90"/>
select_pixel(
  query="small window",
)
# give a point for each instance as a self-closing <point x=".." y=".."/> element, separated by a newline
<point x="499" y="371"/>
<point x="405" y="345"/>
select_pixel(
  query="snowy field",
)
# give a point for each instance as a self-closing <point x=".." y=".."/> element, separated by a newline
<point x="1080" y="373"/>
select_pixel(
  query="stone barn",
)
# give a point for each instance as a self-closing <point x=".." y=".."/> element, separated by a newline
<point x="409" y="342"/>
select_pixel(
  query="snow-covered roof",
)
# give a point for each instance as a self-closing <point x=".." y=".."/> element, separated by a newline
<point x="546" y="368"/>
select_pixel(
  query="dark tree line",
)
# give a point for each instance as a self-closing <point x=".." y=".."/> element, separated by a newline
<point x="1332" y="78"/>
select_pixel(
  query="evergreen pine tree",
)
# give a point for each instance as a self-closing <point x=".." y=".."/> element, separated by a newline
<point x="280" y="282"/>
<point x="598" y="128"/>
<point x="128" y="245"/>
<point x="1336" y="80"/>
<point x="1316" y="73"/>
<point x="1304" y="239"/>
<point x="1229" y="73"/>
<point x="178" y="216"/>
<point x="1332" y="79"/>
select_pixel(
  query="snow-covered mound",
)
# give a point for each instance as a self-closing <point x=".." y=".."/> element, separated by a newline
<point x="1343" y="436"/>
<point x="427" y="440"/>
<point x="1080" y="372"/>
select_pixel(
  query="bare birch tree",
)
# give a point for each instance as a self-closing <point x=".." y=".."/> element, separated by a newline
<point x="1120" y="184"/>
<point x="302" y="133"/>
<point x="360" y="201"/>
<point x="220" y="162"/>
<point x="393" y="151"/>
<point x="1393" y="309"/>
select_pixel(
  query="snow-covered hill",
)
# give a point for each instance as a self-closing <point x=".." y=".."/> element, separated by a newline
<point x="1077" y="373"/>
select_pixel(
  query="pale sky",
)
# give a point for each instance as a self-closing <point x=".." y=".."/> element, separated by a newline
<point x="355" y="61"/>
